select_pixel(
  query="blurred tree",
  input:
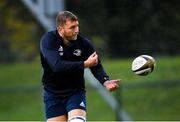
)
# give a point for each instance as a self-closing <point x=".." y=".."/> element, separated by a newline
<point x="131" y="27"/>
<point x="20" y="33"/>
<point x="92" y="16"/>
<point x="118" y="28"/>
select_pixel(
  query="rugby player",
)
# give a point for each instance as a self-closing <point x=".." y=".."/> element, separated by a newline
<point x="64" y="56"/>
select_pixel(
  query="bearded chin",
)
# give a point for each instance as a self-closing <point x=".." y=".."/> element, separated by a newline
<point x="73" y="38"/>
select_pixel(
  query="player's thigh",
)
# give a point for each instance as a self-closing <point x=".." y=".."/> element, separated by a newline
<point x="76" y="107"/>
<point x="77" y="114"/>
<point x="58" y="118"/>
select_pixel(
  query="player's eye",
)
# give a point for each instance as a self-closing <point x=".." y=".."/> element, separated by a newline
<point x="73" y="27"/>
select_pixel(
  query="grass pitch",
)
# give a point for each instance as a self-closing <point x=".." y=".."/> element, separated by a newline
<point x="20" y="92"/>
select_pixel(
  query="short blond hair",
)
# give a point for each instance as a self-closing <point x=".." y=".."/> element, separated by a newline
<point x="62" y="16"/>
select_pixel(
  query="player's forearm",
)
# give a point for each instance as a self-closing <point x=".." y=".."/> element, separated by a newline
<point x="99" y="73"/>
<point x="67" y="66"/>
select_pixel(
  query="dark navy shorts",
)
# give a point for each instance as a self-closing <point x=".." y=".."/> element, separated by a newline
<point x="56" y="106"/>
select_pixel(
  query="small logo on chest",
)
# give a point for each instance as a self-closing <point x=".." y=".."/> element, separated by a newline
<point x="77" y="52"/>
<point x="60" y="50"/>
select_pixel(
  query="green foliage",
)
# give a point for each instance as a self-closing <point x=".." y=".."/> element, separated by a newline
<point x="118" y="28"/>
<point x="130" y="27"/>
<point x="20" y="33"/>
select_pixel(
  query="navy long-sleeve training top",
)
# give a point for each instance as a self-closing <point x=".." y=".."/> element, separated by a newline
<point x="63" y="65"/>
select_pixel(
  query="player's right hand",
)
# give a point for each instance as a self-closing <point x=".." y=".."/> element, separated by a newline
<point x="91" y="61"/>
<point x="112" y="85"/>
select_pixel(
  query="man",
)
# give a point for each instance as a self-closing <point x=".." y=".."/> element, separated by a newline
<point x="64" y="55"/>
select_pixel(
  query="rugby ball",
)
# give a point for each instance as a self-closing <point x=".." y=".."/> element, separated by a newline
<point x="143" y="65"/>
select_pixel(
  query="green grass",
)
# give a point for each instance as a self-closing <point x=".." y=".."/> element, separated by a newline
<point x="152" y="103"/>
<point x="21" y="105"/>
<point x="167" y="68"/>
<point x="20" y="74"/>
<point x="97" y="109"/>
<point x="20" y="92"/>
<point x="159" y="102"/>
<point x="20" y="95"/>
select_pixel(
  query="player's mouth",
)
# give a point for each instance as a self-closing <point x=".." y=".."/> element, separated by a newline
<point x="74" y="37"/>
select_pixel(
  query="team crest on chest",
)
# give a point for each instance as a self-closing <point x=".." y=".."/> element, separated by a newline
<point x="77" y="52"/>
<point x="60" y="50"/>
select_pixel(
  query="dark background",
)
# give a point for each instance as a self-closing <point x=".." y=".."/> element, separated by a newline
<point x="118" y="28"/>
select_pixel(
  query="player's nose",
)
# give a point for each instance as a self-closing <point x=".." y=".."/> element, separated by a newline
<point x="76" y="30"/>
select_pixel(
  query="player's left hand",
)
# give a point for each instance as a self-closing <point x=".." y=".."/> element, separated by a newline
<point x="112" y="85"/>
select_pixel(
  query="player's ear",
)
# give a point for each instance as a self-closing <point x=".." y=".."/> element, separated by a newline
<point x="59" y="28"/>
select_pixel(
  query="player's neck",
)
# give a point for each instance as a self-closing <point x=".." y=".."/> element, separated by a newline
<point x="66" y="42"/>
